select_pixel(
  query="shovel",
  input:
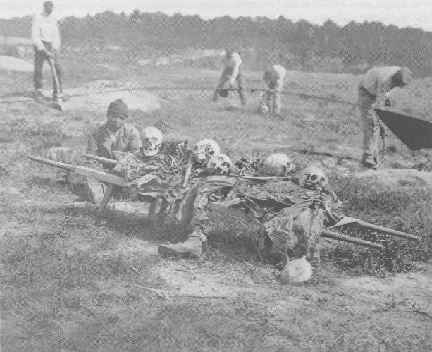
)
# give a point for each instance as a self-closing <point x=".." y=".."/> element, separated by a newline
<point x="56" y="105"/>
<point x="224" y="91"/>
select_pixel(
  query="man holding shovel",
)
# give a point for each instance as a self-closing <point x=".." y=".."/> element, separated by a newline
<point x="46" y="41"/>
<point x="232" y="73"/>
<point x="372" y="90"/>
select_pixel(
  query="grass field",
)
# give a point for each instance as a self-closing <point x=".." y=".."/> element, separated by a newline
<point x="69" y="284"/>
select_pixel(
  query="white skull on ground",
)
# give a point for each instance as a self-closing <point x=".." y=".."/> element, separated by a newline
<point x="296" y="271"/>
<point x="277" y="165"/>
<point x="152" y="140"/>
<point x="204" y="150"/>
<point x="313" y="178"/>
<point x="219" y="164"/>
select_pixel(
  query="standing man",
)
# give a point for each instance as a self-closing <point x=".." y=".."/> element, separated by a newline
<point x="46" y="41"/>
<point x="232" y="73"/>
<point x="114" y="135"/>
<point x="274" y="78"/>
<point x="373" y="89"/>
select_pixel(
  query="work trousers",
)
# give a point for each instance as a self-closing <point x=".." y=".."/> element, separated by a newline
<point x="274" y="96"/>
<point x="40" y="57"/>
<point x="370" y="125"/>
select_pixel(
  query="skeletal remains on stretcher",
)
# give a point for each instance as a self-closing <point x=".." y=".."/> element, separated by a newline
<point x="293" y="211"/>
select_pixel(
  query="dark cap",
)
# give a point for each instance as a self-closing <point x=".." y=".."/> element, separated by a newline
<point x="48" y="3"/>
<point x="118" y="107"/>
<point x="404" y="75"/>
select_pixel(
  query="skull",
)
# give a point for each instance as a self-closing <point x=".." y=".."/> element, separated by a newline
<point x="152" y="140"/>
<point x="296" y="271"/>
<point x="277" y="165"/>
<point x="219" y="164"/>
<point x="204" y="150"/>
<point x="313" y="178"/>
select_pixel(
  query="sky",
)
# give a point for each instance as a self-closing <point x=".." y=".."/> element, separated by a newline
<point x="402" y="13"/>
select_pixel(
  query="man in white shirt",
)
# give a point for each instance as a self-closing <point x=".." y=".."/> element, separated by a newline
<point x="46" y="41"/>
<point x="271" y="100"/>
<point x="373" y="92"/>
<point x="232" y="73"/>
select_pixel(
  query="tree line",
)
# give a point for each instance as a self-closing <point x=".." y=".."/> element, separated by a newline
<point x="297" y="45"/>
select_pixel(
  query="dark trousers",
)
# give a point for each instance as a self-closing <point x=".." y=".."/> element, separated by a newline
<point x="40" y="57"/>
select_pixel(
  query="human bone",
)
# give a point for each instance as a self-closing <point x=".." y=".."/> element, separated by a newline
<point x="278" y="164"/>
<point x="296" y="271"/>
<point x="219" y="164"/>
<point x="313" y="177"/>
<point x="152" y="140"/>
<point x="204" y="150"/>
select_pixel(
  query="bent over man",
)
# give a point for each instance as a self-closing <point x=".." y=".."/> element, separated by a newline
<point x="372" y="90"/>
<point x="271" y="100"/>
<point x="46" y="41"/>
<point x="232" y="73"/>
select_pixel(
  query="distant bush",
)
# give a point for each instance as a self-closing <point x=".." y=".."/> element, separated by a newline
<point x="297" y="45"/>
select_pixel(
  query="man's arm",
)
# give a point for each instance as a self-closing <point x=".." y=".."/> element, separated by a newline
<point x="35" y="33"/>
<point x="92" y="147"/>
<point x="383" y="88"/>
<point x="56" y="39"/>
<point x="135" y="142"/>
<point x="237" y="62"/>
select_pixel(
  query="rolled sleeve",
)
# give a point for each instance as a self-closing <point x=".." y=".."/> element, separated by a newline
<point x="382" y="90"/>
<point x="135" y="142"/>
<point x="35" y="33"/>
<point x="56" y="43"/>
<point x="91" y="145"/>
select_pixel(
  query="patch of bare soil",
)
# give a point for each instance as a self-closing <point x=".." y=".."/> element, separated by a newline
<point x="96" y="96"/>
<point x="10" y="63"/>
<point x="397" y="177"/>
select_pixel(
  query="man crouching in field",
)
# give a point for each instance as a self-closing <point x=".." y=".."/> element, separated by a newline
<point x="114" y="135"/>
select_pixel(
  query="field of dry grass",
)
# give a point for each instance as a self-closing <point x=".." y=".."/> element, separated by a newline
<point x="69" y="284"/>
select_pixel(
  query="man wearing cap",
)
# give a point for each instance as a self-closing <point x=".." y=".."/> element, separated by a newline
<point x="46" y="42"/>
<point x="271" y="100"/>
<point x="373" y="94"/>
<point x="114" y="135"/>
<point x="232" y="73"/>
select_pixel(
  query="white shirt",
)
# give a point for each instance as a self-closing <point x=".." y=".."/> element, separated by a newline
<point x="234" y="61"/>
<point x="378" y="81"/>
<point x="276" y="76"/>
<point x="45" y="28"/>
<point x="280" y="71"/>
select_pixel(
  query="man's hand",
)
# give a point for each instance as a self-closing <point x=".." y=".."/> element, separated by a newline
<point x="52" y="54"/>
<point x="47" y="52"/>
<point x="379" y="106"/>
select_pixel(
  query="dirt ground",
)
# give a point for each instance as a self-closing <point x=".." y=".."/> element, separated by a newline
<point x="71" y="284"/>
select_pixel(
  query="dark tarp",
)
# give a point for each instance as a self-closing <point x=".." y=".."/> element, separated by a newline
<point x="415" y="133"/>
